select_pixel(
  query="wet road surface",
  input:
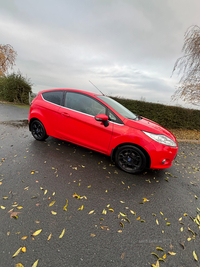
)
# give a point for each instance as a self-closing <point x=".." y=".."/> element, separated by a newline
<point x="118" y="219"/>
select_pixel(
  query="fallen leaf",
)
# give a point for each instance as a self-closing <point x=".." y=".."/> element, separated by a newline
<point x="91" y="212"/>
<point x="65" y="207"/>
<point x="121" y="224"/>
<point x="37" y="232"/>
<point x="171" y="253"/>
<point x="49" y="237"/>
<point x="122" y="256"/>
<point x="24" y="237"/>
<point x="53" y="212"/>
<point x="24" y="249"/>
<point x="104" y="211"/>
<point x="20" y="207"/>
<point x="92" y="235"/>
<point x="195" y="256"/>
<point x="119" y="231"/>
<point x="133" y="212"/>
<point x="51" y="204"/>
<point x="5" y="197"/>
<point x="155" y="255"/>
<point x="62" y="234"/>
<point x="122" y="201"/>
<point x="157" y="222"/>
<point x="159" y="248"/>
<point x="168" y="224"/>
<point x="111" y="210"/>
<point x="3" y="208"/>
<point x="164" y="256"/>
<point x="19" y="265"/>
<point x="145" y="199"/>
<point x="81" y="208"/>
<point x="45" y="192"/>
<point x="17" y="252"/>
<point x="35" y="263"/>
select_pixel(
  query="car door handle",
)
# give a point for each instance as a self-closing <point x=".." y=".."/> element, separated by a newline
<point x="65" y="114"/>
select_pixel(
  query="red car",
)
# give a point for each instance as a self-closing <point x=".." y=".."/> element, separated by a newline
<point x="100" y="123"/>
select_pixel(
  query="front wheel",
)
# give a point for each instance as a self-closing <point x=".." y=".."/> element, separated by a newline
<point x="38" y="131"/>
<point x="130" y="159"/>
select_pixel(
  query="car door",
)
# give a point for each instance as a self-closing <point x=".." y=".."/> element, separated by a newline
<point x="77" y="122"/>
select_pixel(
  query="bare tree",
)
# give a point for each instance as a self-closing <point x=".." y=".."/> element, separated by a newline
<point x="7" y="58"/>
<point x="189" y="66"/>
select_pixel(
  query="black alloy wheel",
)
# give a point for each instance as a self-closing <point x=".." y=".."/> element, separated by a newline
<point x="130" y="159"/>
<point x="38" y="131"/>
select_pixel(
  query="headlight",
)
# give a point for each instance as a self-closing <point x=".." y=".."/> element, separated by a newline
<point x="160" y="138"/>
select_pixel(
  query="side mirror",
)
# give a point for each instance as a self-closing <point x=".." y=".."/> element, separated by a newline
<point x="102" y="117"/>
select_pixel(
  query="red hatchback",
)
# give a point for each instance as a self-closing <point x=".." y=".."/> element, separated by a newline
<point x="99" y="123"/>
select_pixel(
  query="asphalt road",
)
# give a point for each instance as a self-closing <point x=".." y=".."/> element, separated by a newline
<point x="38" y="179"/>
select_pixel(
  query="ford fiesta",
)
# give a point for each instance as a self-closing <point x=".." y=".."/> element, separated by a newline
<point x="100" y="123"/>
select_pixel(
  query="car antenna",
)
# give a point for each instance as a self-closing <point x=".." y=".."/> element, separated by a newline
<point x="96" y="87"/>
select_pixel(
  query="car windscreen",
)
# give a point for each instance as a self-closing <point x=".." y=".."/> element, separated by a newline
<point x="118" y="107"/>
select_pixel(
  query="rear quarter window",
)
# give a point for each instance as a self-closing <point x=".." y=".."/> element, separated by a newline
<point x="55" y="97"/>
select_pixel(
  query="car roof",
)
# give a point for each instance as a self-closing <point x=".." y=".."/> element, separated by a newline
<point x="71" y="90"/>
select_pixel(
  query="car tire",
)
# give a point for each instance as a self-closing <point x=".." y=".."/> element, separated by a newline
<point x="130" y="159"/>
<point x="38" y="131"/>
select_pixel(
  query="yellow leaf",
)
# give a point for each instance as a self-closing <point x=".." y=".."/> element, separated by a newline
<point x="159" y="248"/>
<point x="189" y="239"/>
<point x="53" y="193"/>
<point x="24" y="249"/>
<point x="51" y="204"/>
<point x="91" y="212"/>
<point x="65" y="207"/>
<point x="133" y="212"/>
<point x="104" y="211"/>
<point x="180" y="219"/>
<point x="119" y="231"/>
<point x="122" y="214"/>
<point x="121" y="224"/>
<point x="122" y="201"/>
<point x="181" y="229"/>
<point x="89" y="186"/>
<point x="35" y="263"/>
<point x="19" y="265"/>
<point x="81" y="208"/>
<point x="24" y="237"/>
<point x="171" y="253"/>
<point x="164" y="256"/>
<point x="45" y="192"/>
<point x="17" y="252"/>
<point x="195" y="256"/>
<point x="3" y="208"/>
<point x="145" y="199"/>
<point x="157" y="264"/>
<point x="37" y="232"/>
<point x="161" y="213"/>
<point x="138" y="218"/>
<point x="157" y="222"/>
<point x="155" y="255"/>
<point x="61" y="235"/>
<point x="185" y="214"/>
<point x="49" y="237"/>
<point x="20" y="207"/>
<point x="111" y="210"/>
<point x="168" y="224"/>
<point x="5" y="197"/>
<point x="53" y="212"/>
<point x="92" y="235"/>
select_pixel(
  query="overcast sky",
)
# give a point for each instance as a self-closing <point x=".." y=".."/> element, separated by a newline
<point x="126" y="48"/>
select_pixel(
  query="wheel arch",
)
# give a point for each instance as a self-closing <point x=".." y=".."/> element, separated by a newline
<point x="148" y="164"/>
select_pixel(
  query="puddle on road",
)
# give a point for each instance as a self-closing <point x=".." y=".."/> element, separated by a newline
<point x="17" y="123"/>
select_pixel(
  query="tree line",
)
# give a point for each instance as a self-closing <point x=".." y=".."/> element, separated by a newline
<point x="14" y="87"/>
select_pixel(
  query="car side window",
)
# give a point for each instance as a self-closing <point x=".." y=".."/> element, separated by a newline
<point x="54" y="97"/>
<point x="84" y="103"/>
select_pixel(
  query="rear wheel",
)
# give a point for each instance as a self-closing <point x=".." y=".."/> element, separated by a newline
<point x="38" y="131"/>
<point x="130" y="159"/>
